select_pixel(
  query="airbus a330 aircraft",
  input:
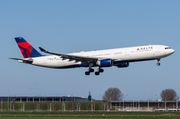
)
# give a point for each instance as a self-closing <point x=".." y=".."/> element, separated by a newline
<point x="120" y="57"/>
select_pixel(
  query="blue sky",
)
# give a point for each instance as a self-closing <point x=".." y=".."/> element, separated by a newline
<point x="83" y="25"/>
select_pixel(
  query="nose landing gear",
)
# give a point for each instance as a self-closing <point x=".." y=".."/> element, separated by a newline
<point x="158" y="64"/>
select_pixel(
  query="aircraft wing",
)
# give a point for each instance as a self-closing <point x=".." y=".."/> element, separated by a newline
<point x="77" y="58"/>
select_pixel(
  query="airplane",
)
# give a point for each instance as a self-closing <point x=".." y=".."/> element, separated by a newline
<point x="119" y="57"/>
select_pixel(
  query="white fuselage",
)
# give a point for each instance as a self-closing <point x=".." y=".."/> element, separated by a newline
<point x="130" y="54"/>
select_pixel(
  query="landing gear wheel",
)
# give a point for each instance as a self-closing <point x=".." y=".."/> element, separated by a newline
<point x="158" y="64"/>
<point x="101" y="70"/>
<point x="96" y="73"/>
<point x="87" y="73"/>
<point x="91" y="70"/>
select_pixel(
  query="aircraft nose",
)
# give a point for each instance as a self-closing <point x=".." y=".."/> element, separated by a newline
<point x="172" y="51"/>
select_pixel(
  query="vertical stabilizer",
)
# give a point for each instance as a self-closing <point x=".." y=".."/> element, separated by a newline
<point x="26" y="49"/>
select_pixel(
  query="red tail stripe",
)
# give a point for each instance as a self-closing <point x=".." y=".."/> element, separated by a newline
<point x="24" y="44"/>
<point x="29" y="51"/>
<point x="22" y="51"/>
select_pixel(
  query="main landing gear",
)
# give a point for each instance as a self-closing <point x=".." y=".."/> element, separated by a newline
<point x="158" y="64"/>
<point x="92" y="70"/>
<point x="88" y="72"/>
<point x="99" y="71"/>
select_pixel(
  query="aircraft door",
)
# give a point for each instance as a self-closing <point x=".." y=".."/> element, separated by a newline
<point x="156" y="51"/>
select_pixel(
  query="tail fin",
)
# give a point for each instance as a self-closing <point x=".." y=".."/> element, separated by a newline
<point x="26" y="49"/>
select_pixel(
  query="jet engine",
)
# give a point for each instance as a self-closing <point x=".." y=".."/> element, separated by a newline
<point x="104" y="63"/>
<point x="124" y="64"/>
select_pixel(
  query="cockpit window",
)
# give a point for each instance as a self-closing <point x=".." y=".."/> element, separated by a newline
<point x="167" y="48"/>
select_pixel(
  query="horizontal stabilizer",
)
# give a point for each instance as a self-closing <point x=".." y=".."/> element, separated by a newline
<point x="29" y="61"/>
<point x="15" y="59"/>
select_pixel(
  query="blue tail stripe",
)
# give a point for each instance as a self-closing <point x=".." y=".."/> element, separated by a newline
<point x="20" y="39"/>
<point x="35" y="53"/>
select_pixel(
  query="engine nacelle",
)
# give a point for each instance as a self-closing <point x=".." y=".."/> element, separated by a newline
<point x="104" y="63"/>
<point x="124" y="64"/>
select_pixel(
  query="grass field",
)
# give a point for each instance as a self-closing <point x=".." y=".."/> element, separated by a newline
<point x="114" y="117"/>
<point x="91" y="112"/>
<point x="89" y="115"/>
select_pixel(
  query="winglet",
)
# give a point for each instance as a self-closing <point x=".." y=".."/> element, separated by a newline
<point x="43" y="50"/>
